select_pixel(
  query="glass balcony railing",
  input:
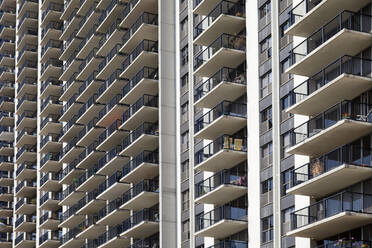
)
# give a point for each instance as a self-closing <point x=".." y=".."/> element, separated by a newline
<point x="145" y="128"/>
<point x="144" y="73"/>
<point x="223" y="8"/>
<point x="344" y="65"/>
<point x="144" y="46"/>
<point x="143" y="101"/>
<point x="221" y="213"/>
<point x="344" y="20"/>
<point x="227" y="108"/>
<point x="346" y="243"/>
<point x="223" y="142"/>
<point x="147" y="214"/>
<point x="145" y="18"/>
<point x="223" y="75"/>
<point x="143" y="157"/>
<point x="347" y="154"/>
<point x="301" y="9"/>
<point x="225" y="177"/>
<point x="147" y="185"/>
<point x="223" y="41"/>
<point x="341" y="111"/>
<point x="330" y="206"/>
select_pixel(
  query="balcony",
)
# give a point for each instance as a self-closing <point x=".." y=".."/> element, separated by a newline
<point x="71" y="24"/>
<point x="144" y="109"/>
<point x="141" y="224"/>
<point x="111" y="62"/>
<point x="225" y="118"/>
<point x="50" y="163"/>
<point x="89" y="180"/>
<point x="50" y="106"/>
<point x="6" y="179"/>
<point x="112" y="111"/>
<point x="90" y="41"/>
<point x="143" y="165"/>
<point x="111" y="87"/>
<point x="6" y="118"/>
<point x="347" y="33"/>
<point x="50" y="124"/>
<point x="88" y="20"/>
<point x="112" y="238"/>
<point x="332" y="172"/>
<point x="49" y="201"/>
<point x="27" y="103"/>
<point x="51" y="86"/>
<point x="142" y="195"/>
<point x="89" y="204"/>
<point x="70" y="130"/>
<point x="221" y="222"/>
<point x="52" y="31"/>
<point x="6" y="212"/>
<point x="89" y="228"/>
<point x="7" y="133"/>
<point x="51" y="68"/>
<point x="111" y="11"/>
<point x="135" y="8"/>
<point x="345" y="242"/>
<point x="27" y="86"/>
<point x="50" y="144"/>
<point x="29" y="19"/>
<point x="335" y="214"/>
<point x="144" y="137"/>
<point x="90" y="132"/>
<point x="50" y="182"/>
<point x="112" y="36"/>
<point x="26" y="189"/>
<point x="69" y="238"/>
<point x="111" y="188"/>
<point x="70" y="108"/>
<point x="7" y="104"/>
<point x="348" y="76"/>
<point x="70" y="173"/>
<point x="226" y="17"/>
<point x="307" y="16"/>
<point x="91" y="62"/>
<point x="70" y="47"/>
<point x="70" y="196"/>
<point x="25" y="206"/>
<point x="25" y="223"/>
<point x="225" y="51"/>
<point x="6" y="149"/>
<point x="52" y="12"/>
<point x="70" y="151"/>
<point x="6" y="195"/>
<point x="144" y="82"/>
<point x="26" y="171"/>
<point x="7" y="89"/>
<point x="144" y="28"/>
<point x="222" y="187"/>
<point x="70" y="70"/>
<point x="25" y="240"/>
<point x="111" y="162"/>
<point x="226" y="84"/>
<point x="89" y="156"/>
<point x="89" y="88"/>
<point x="70" y="218"/>
<point x="342" y="123"/>
<point x="6" y="163"/>
<point x="26" y="137"/>
<point x="223" y="153"/>
<point x="111" y="214"/>
<point x="49" y="239"/>
<point x="145" y="54"/>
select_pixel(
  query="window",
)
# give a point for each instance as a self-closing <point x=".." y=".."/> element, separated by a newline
<point x="184" y="141"/>
<point x="185" y="200"/>
<point x="286" y="142"/>
<point x="266" y="150"/>
<point x="266" y="46"/>
<point x="283" y="28"/>
<point x="184" y="55"/>
<point x="265" y="86"/>
<point x="184" y="84"/>
<point x="284" y="65"/>
<point x="185" y="170"/>
<point x="266" y="186"/>
<point x="286" y="181"/>
<point x="266" y="120"/>
<point x="185" y="230"/>
<point x="184" y="28"/>
<point x="184" y="112"/>
<point x="267" y="226"/>
<point x="265" y="9"/>
<point x="286" y="219"/>
<point x="285" y="102"/>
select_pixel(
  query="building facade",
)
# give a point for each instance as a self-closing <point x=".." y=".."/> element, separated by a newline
<point x="187" y="123"/>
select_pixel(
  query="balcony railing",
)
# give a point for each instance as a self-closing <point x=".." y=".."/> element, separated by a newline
<point x="51" y="25"/>
<point x="228" y="108"/>
<point x="346" y="64"/>
<point x="128" y="8"/>
<point x="24" y="236"/>
<point x="27" y="47"/>
<point x="48" y="176"/>
<point x="223" y="75"/>
<point x="88" y="174"/>
<point x="25" y="166"/>
<point x="50" y="235"/>
<point x="225" y="177"/>
<point x="347" y="154"/>
<point x="223" y="8"/>
<point x="145" y="128"/>
<point x="145" y="100"/>
<point x="144" y="46"/>
<point x="230" y="244"/>
<point x="221" y="213"/>
<point x="50" y="100"/>
<point x="343" y="110"/>
<point x="144" y="73"/>
<point x="147" y="214"/>
<point x="151" y="185"/>
<point x="330" y="206"/>
<point x="301" y="9"/>
<point x="49" y="157"/>
<point x="71" y="234"/>
<point x="143" y="157"/>
<point x="114" y="178"/>
<point x="145" y="18"/>
<point x="110" y="207"/>
<point x="28" y="14"/>
<point x="111" y="104"/>
<point x="344" y="20"/>
<point x="50" y="81"/>
<point x="27" y="64"/>
<point x="346" y="243"/>
<point x="113" y="232"/>
<point x="223" y="41"/>
<point x="148" y="242"/>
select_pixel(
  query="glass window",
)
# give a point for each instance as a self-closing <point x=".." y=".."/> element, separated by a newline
<point x="267" y="226"/>
<point x="265" y="84"/>
<point x="266" y="185"/>
<point x="286" y="180"/>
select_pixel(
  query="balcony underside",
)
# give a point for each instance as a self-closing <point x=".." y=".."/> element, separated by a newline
<point x="51" y="127"/>
<point x="115" y="88"/>
<point x="26" y="209"/>
<point x="72" y="198"/>
<point x="331" y="181"/>
<point x="144" y="142"/>
<point x="222" y="194"/>
<point x="91" y="232"/>
<point x="333" y="225"/>
<point x="70" y="111"/>
<point x="224" y="57"/>
<point x="114" y="165"/>
<point x="51" y="166"/>
<point x="91" y="183"/>
<point x="89" y="45"/>
<point x="25" y="244"/>
<point x="6" y="182"/>
<point x="90" y="136"/>
<point x="225" y="124"/>
<point x="114" y="64"/>
<point x="223" y="159"/>
<point x="144" y="86"/>
<point x="25" y="226"/>
<point x="89" y="90"/>
<point x="115" y="38"/>
<point x="115" y="217"/>
<point x="6" y="244"/>
<point x="26" y="191"/>
<point x="344" y="87"/>
<point x="51" y="89"/>
<point x="72" y="221"/>
<point x="115" y="113"/>
<point x="50" y="243"/>
<point x="50" y="224"/>
<point x="73" y="243"/>
<point x="343" y="132"/>
<point x="205" y="6"/>
<point x="114" y="191"/>
<point x="6" y="166"/>
<point x="145" y="58"/>
<point x="90" y="159"/>
<point x="50" y="205"/>
<point x="142" y="200"/>
<point x="145" y="113"/>
<point x="92" y="207"/>
<point x="222" y="229"/>
<point x="6" y="197"/>
<point x="70" y="91"/>
<point x="51" y="146"/>
<point x="72" y="154"/>
<point x="51" y="185"/>
<point x="114" y="139"/>
<point x="116" y="242"/>
<point x="150" y="6"/>
<point x="6" y="212"/>
<point x="145" y="170"/>
<point x="144" y="32"/>
<point x="223" y="91"/>
<point x="321" y="14"/>
<point x="346" y="41"/>
<point x="224" y="24"/>
<point x="143" y="229"/>
<point x="7" y="136"/>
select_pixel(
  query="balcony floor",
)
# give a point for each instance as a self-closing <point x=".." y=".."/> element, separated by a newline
<point x="331" y="181"/>
<point x="143" y="229"/>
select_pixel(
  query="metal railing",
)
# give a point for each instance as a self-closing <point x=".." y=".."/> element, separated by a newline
<point x="145" y="128"/>
<point x="147" y="185"/>
<point x="146" y="214"/>
<point x="301" y="9"/>
<point x="144" y="73"/>
<point x="144" y="101"/>
<point x="144" y="18"/>
<point x="346" y="243"/>
<point x="143" y="157"/>
<point x="144" y="46"/>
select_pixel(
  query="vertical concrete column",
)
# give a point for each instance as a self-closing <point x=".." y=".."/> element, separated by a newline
<point x="253" y="126"/>
<point x="167" y="123"/>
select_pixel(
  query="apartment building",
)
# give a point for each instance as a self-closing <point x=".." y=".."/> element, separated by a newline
<point x="188" y="123"/>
